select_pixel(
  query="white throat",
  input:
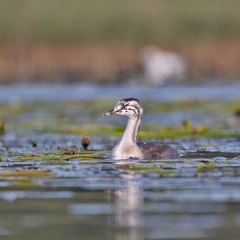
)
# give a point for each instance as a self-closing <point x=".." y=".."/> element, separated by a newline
<point x="127" y="146"/>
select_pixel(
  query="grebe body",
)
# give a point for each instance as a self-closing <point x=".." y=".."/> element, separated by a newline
<point x="127" y="147"/>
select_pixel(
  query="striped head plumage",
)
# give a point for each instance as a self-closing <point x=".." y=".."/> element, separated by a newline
<point x="129" y="107"/>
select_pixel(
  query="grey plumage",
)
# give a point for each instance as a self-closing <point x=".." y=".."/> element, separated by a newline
<point x="158" y="150"/>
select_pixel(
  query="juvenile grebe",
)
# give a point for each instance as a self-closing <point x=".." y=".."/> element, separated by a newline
<point x="128" y="147"/>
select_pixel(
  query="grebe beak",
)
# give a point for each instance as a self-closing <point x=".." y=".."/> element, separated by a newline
<point x="111" y="112"/>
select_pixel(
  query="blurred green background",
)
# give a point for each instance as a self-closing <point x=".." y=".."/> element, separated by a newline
<point x="52" y="40"/>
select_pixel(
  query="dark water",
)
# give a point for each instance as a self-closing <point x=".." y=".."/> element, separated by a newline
<point x="48" y="194"/>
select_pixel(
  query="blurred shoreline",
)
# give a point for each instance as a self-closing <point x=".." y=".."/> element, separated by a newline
<point x="101" y="42"/>
<point x="101" y="63"/>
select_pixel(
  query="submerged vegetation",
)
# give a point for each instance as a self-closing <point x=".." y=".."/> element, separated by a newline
<point x="59" y="133"/>
<point x="197" y="119"/>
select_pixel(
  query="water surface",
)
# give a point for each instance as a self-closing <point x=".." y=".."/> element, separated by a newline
<point x="50" y="188"/>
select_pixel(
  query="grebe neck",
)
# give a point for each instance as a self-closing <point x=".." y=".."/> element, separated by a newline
<point x="130" y="134"/>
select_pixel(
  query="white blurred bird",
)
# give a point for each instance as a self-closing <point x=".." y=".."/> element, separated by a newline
<point x="160" y="66"/>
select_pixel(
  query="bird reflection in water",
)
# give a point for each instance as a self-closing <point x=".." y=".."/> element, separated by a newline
<point x="128" y="202"/>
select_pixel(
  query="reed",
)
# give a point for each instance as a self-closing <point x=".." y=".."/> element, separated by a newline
<point x="100" y="41"/>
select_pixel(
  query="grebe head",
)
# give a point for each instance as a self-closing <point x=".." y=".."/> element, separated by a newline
<point x="129" y="107"/>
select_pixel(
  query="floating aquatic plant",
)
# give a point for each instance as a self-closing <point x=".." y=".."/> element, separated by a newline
<point x="28" y="174"/>
<point x="206" y="167"/>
